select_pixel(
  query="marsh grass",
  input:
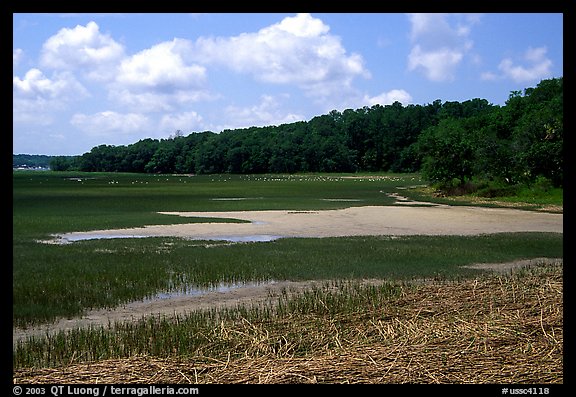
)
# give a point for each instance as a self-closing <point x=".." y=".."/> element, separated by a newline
<point x="55" y="202"/>
<point x="52" y="281"/>
<point x="525" y="198"/>
<point x="487" y="329"/>
<point x="432" y="321"/>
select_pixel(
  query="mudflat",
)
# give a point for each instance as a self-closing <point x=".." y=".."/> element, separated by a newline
<point x="353" y="221"/>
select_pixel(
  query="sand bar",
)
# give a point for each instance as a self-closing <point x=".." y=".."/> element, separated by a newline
<point x="354" y="221"/>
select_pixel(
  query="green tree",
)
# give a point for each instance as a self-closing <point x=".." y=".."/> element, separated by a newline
<point x="448" y="153"/>
<point x="65" y="163"/>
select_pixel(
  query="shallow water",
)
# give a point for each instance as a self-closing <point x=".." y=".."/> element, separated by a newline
<point x="195" y="290"/>
<point x="235" y="198"/>
<point x="93" y="236"/>
<point x="256" y="238"/>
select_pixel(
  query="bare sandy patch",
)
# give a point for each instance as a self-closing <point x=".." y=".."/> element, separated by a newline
<point x="508" y="266"/>
<point x="354" y="221"/>
<point x="179" y="305"/>
<point x="252" y="294"/>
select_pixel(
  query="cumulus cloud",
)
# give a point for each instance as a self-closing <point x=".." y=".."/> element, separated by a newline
<point x="35" y="96"/>
<point x="161" y="67"/>
<point x="110" y="123"/>
<point x="155" y="79"/>
<point x="297" y="50"/>
<point x="169" y="76"/>
<point x="438" y="65"/>
<point x="184" y="121"/>
<point x="538" y="66"/>
<point x="158" y="78"/>
<point x="267" y="112"/>
<point x="36" y="85"/>
<point x="387" y="98"/>
<point x="440" y="42"/>
<point x="82" y="47"/>
<point x="533" y="65"/>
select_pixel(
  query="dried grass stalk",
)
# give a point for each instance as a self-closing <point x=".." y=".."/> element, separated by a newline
<point x="493" y="329"/>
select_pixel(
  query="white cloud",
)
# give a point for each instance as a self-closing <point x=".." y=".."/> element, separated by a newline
<point x="110" y="123"/>
<point x="268" y="112"/>
<point x="538" y="66"/>
<point x="151" y="101"/>
<point x="17" y="54"/>
<point x="302" y="25"/>
<point x="438" y="65"/>
<point x="161" y="67"/>
<point x="440" y="42"/>
<point x="387" y="98"/>
<point x="298" y="50"/>
<point x="488" y="76"/>
<point x="83" y="48"/>
<point x="169" y="76"/>
<point x="159" y="78"/>
<point x="36" y="85"/>
<point x="36" y="97"/>
<point x="185" y="121"/>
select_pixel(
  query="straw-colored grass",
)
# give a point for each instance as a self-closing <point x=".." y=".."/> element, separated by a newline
<point x="491" y="329"/>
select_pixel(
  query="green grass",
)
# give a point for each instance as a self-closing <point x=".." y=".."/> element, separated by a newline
<point x="538" y="197"/>
<point x="52" y="281"/>
<point x="524" y="197"/>
<point x="196" y="333"/>
<point x="52" y="202"/>
<point x="482" y="321"/>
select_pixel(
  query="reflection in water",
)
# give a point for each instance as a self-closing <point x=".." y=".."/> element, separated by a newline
<point x="256" y="238"/>
<point x="71" y="237"/>
<point x="195" y="290"/>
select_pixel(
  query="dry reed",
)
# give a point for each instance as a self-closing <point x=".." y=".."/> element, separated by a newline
<point x="491" y="329"/>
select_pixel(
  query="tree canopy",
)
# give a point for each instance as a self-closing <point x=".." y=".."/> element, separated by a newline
<point x="450" y="143"/>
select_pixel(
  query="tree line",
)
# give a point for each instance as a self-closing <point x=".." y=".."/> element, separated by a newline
<point x="450" y="143"/>
<point x="32" y="161"/>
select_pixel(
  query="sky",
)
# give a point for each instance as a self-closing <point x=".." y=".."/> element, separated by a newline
<point x="83" y="80"/>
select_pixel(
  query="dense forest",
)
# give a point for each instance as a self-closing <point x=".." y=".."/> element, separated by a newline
<point x="450" y="143"/>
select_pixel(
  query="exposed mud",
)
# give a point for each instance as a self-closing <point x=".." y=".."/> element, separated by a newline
<point x="396" y="220"/>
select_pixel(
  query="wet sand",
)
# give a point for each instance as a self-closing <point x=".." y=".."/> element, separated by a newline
<point x="356" y="221"/>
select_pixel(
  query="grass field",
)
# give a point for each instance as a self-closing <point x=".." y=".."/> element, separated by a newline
<point x="52" y="281"/>
<point x="505" y="329"/>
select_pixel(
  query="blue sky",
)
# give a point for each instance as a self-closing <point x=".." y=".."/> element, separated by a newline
<point x="82" y="80"/>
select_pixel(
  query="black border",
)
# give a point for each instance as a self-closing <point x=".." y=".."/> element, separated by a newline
<point x="391" y="6"/>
